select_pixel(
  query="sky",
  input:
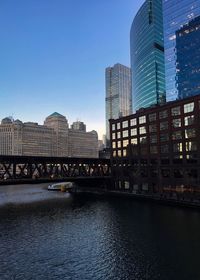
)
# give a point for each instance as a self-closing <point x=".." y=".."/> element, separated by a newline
<point x="53" y="55"/>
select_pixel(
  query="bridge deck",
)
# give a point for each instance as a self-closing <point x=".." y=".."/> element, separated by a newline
<point x="51" y="169"/>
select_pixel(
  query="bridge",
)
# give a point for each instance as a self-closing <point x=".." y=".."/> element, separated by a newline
<point x="31" y="169"/>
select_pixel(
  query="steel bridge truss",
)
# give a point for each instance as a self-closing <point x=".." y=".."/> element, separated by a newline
<point x="26" y="167"/>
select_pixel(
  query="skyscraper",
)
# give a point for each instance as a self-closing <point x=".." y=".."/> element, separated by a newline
<point x="118" y="94"/>
<point x="147" y="55"/>
<point x="188" y="59"/>
<point x="176" y="14"/>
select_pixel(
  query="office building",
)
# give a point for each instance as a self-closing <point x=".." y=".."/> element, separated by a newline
<point x="78" y="126"/>
<point x="175" y="15"/>
<point x="188" y="59"/>
<point x="54" y="138"/>
<point x="147" y="56"/>
<point x="118" y="94"/>
<point x="157" y="149"/>
<point x="60" y="125"/>
<point x="83" y="144"/>
<point x="17" y="138"/>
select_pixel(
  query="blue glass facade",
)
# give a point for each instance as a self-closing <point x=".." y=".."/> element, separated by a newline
<point x="176" y="13"/>
<point x="188" y="59"/>
<point x="147" y="55"/>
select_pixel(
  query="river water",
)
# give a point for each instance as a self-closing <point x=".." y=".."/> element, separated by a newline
<point x="50" y="235"/>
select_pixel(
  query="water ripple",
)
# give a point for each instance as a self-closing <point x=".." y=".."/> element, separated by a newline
<point x="89" y="239"/>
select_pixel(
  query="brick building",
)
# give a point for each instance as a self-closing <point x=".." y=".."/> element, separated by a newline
<point x="157" y="149"/>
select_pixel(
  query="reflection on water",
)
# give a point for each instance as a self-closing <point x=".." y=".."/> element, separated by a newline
<point x="16" y="194"/>
<point x="90" y="238"/>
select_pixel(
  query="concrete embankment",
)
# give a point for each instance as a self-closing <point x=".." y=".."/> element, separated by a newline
<point x="38" y="193"/>
<point x="160" y="199"/>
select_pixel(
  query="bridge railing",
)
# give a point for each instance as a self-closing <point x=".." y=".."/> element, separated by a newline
<point x="27" y="167"/>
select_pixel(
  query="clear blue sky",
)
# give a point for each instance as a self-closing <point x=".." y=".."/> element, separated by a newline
<point x="53" y="55"/>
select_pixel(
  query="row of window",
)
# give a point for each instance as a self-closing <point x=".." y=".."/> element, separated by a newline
<point x="176" y="111"/>
<point x="166" y="173"/>
<point x="177" y="148"/>
<point x="153" y="139"/>
<point x="176" y="123"/>
<point x="189" y="133"/>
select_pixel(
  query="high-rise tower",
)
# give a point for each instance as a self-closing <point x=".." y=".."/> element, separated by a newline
<point x="147" y="55"/>
<point x="188" y="59"/>
<point x="175" y="15"/>
<point x="118" y="94"/>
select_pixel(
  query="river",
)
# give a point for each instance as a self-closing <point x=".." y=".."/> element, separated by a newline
<point x="54" y="235"/>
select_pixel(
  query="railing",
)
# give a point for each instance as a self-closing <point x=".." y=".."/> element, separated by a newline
<point x="29" y="167"/>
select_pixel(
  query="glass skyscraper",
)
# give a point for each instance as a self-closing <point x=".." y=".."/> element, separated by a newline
<point x="176" y="13"/>
<point x="188" y="59"/>
<point x="147" y="55"/>
<point x="118" y="94"/>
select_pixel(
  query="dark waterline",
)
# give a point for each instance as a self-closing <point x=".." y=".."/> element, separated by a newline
<point x="85" y="237"/>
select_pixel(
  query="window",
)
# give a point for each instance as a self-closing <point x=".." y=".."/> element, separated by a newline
<point x="134" y="150"/>
<point x="163" y="114"/>
<point x="176" y="123"/>
<point x="189" y="120"/>
<point x="163" y="125"/>
<point x="152" y="117"/>
<point x="144" y="150"/>
<point x="125" y="124"/>
<point x="191" y="158"/>
<point x="119" y="144"/>
<point x="178" y="147"/>
<point x="125" y="133"/>
<point x="176" y="135"/>
<point x="154" y="173"/>
<point x="191" y="146"/>
<point x="165" y="173"/>
<point x="144" y="173"/>
<point x="114" y="153"/>
<point x="114" y="145"/>
<point x="189" y="133"/>
<point x="124" y="153"/>
<point x="119" y="153"/>
<point x="153" y="149"/>
<point x="118" y="125"/>
<point x="164" y="149"/>
<point x="176" y="111"/>
<point x="178" y="158"/>
<point x="192" y="173"/>
<point x="189" y="107"/>
<point x="113" y="126"/>
<point x="118" y="134"/>
<point x="142" y="119"/>
<point x="113" y="135"/>
<point x="153" y="138"/>
<point x="152" y="128"/>
<point x="142" y="130"/>
<point x="165" y="160"/>
<point x="178" y="173"/>
<point x="133" y="131"/>
<point x="143" y="140"/>
<point x="125" y="143"/>
<point x="133" y="122"/>
<point x="134" y="141"/>
<point x="164" y="137"/>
